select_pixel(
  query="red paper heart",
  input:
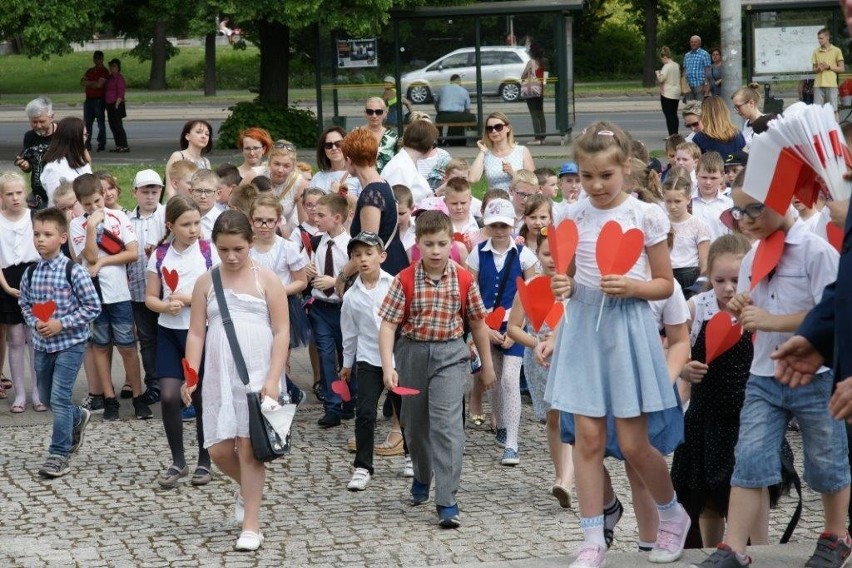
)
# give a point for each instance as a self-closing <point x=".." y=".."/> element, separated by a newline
<point x="495" y="319"/>
<point x="617" y="251"/>
<point x="555" y="316"/>
<point x="190" y="375"/>
<point x="766" y="257"/>
<point x="43" y="310"/>
<point x="536" y="298"/>
<point x="405" y="391"/>
<point x="563" y="244"/>
<point x="341" y="387"/>
<point x="171" y="278"/>
<point x="720" y="335"/>
<point x="835" y="236"/>
<point x="458" y="237"/>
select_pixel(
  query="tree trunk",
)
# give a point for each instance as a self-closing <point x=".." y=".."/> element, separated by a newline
<point x="157" y="79"/>
<point x="274" y="62"/>
<point x="210" y="64"/>
<point x="649" y="78"/>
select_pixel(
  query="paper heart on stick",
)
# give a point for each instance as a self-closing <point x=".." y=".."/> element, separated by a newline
<point x="405" y="391"/>
<point x="190" y="375"/>
<point x="617" y="250"/>
<point x="555" y="314"/>
<point x="720" y="335"/>
<point x="766" y="257"/>
<point x="536" y="298"/>
<point x="495" y="319"/>
<point x="171" y="278"/>
<point x="43" y="310"/>
<point x="563" y="244"/>
<point x="341" y="388"/>
<point x="835" y="236"/>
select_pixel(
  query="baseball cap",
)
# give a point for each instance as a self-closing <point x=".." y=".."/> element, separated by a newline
<point x="499" y="211"/>
<point x="431" y="204"/>
<point x="569" y="168"/>
<point x="147" y="177"/>
<point x="738" y="158"/>
<point x="367" y="238"/>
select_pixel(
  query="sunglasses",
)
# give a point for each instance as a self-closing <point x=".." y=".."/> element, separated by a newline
<point x="330" y="145"/>
<point x="374" y="111"/>
<point x="286" y="145"/>
<point x="494" y="128"/>
<point x="753" y="211"/>
<point x="692" y="125"/>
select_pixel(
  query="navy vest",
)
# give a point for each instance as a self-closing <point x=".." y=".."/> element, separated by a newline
<point x="489" y="283"/>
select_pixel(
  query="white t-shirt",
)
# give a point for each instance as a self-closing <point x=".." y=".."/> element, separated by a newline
<point x="207" y="222"/>
<point x="672" y="310"/>
<point x="112" y="278"/>
<point x="58" y="170"/>
<point x="401" y="170"/>
<point x="283" y="258"/>
<point x="190" y="264"/>
<point x="16" y="241"/>
<point x="687" y="236"/>
<point x="527" y="257"/>
<point x="323" y="180"/>
<point x="709" y="210"/>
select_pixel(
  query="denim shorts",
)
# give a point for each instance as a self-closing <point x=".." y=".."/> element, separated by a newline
<point x="114" y="326"/>
<point x="767" y="409"/>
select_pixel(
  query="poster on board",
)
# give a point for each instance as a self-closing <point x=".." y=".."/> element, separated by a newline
<point x="785" y="50"/>
<point x="357" y="53"/>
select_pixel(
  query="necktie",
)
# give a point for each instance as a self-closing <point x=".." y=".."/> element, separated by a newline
<point x="329" y="266"/>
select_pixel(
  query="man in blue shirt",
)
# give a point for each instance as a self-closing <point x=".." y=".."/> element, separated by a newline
<point x="694" y="63"/>
<point x="453" y="105"/>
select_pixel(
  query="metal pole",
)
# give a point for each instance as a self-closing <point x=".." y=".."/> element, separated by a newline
<point x="397" y="79"/>
<point x="732" y="49"/>
<point x="318" y="80"/>
<point x="478" y="57"/>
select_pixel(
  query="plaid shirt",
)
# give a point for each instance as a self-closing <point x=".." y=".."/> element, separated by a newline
<point x="435" y="311"/>
<point x="149" y="231"/>
<point x="77" y="305"/>
<point x="694" y="63"/>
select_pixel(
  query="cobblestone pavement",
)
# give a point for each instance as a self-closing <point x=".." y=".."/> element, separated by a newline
<point x="109" y="510"/>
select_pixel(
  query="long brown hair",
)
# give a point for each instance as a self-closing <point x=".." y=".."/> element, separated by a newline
<point x="67" y="142"/>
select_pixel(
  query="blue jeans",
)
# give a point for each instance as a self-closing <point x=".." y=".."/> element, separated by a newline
<point x="325" y="320"/>
<point x="57" y="373"/>
<point x="95" y="109"/>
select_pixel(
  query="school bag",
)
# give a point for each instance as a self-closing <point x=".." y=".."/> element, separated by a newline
<point x="69" y="269"/>
<point x="406" y="279"/>
<point x="162" y="249"/>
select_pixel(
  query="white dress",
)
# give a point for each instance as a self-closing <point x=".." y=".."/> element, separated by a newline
<point x="225" y="410"/>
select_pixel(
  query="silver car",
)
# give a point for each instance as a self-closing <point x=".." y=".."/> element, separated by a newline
<point x="502" y="67"/>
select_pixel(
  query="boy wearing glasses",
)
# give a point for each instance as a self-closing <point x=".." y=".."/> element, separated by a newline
<point x="204" y="190"/>
<point x="774" y="307"/>
<point x="710" y="201"/>
<point x="524" y="185"/>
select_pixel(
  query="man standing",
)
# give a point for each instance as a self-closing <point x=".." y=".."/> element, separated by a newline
<point x="828" y="62"/>
<point x="694" y="63"/>
<point x="94" y="80"/>
<point x="453" y="105"/>
<point x="29" y="159"/>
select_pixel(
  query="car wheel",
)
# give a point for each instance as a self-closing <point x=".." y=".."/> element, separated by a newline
<point x="419" y="94"/>
<point x="510" y="92"/>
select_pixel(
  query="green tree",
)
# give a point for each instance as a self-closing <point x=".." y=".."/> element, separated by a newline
<point x="49" y="27"/>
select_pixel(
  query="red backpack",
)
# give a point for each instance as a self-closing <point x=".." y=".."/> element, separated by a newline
<point x="406" y="279"/>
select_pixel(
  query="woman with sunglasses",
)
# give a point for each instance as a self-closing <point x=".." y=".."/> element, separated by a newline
<point x="255" y="144"/>
<point x="499" y="157"/>
<point x="691" y="114"/>
<point x="376" y="111"/>
<point x="333" y="176"/>
<point x="718" y="133"/>
<point x="196" y="139"/>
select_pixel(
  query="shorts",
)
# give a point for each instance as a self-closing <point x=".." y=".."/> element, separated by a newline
<point x="767" y="409"/>
<point x="114" y="326"/>
<point x="824" y="95"/>
<point x="171" y="349"/>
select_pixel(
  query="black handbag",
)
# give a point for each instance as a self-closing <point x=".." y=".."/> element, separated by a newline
<point x="266" y="443"/>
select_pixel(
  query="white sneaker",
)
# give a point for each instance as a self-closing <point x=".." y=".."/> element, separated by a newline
<point x="671" y="537"/>
<point x="239" y="508"/>
<point x="408" y="467"/>
<point x="359" y="480"/>
<point x="249" y="541"/>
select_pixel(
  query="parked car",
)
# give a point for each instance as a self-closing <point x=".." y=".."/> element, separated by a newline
<point x="501" y="66"/>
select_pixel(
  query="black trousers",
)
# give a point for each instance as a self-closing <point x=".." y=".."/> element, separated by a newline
<point x="116" y="124"/>
<point x="670" y="112"/>
<point x="370" y="387"/>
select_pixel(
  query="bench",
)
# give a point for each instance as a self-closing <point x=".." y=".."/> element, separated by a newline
<point x="469" y="125"/>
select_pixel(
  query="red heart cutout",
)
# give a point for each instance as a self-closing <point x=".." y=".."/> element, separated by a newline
<point x="341" y="387"/>
<point x="43" y="310"/>
<point x="835" y="236"/>
<point x="495" y="319"/>
<point x="405" y="391"/>
<point x="190" y="375"/>
<point x="171" y="278"/>
<point x="536" y="298"/>
<point x="617" y="251"/>
<point x="458" y="237"/>
<point x="720" y="335"/>
<point x="766" y="257"/>
<point x="563" y="244"/>
<point x="555" y="316"/>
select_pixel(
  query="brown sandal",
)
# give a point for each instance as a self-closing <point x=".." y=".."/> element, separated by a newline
<point x="388" y="448"/>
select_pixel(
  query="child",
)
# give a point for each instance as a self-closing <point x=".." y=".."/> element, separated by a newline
<point x="672" y="142"/>
<point x="458" y="250"/>
<point x="404" y="208"/>
<point x="204" y="190"/>
<point x="17" y="254"/>
<point x="257" y="305"/>
<point x="459" y="168"/>
<point x="595" y="373"/>
<point x="569" y="182"/>
<point x="185" y="254"/>
<point x="324" y="313"/>
<point x="457" y="197"/>
<point x="61" y="340"/>
<point x="691" y="234"/>
<point x="710" y="202"/>
<point x="430" y="301"/>
<point x="105" y="242"/>
<point x="644" y="182"/>
<point x="111" y="189"/>
<point x="179" y="177"/>
<point x="536" y="374"/>
<point x="229" y="179"/>
<point x="774" y="307"/>
<point x="242" y="198"/>
<point x="687" y="156"/>
<point x="305" y="171"/>
<point x="149" y="223"/>
<point x="734" y="164"/>
<point x="524" y="185"/>
<point x="496" y="264"/>
<point x="548" y="182"/>
<point x="65" y="200"/>
<point x="537" y="215"/>
<point x="359" y="323"/>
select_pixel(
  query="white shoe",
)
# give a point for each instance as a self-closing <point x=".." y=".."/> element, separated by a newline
<point x="671" y="538"/>
<point x="359" y="480"/>
<point x="408" y="467"/>
<point x="249" y="541"/>
<point x="239" y="508"/>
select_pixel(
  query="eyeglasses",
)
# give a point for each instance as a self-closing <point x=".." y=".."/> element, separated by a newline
<point x="494" y="128"/>
<point x="252" y="148"/>
<point x="203" y="192"/>
<point x="741" y="105"/>
<point x="264" y="223"/>
<point x="753" y="211"/>
<point x="693" y="125"/>
<point x="335" y="144"/>
<point x="374" y="111"/>
<point x="69" y="207"/>
<point x="522" y="195"/>
<point x="286" y="145"/>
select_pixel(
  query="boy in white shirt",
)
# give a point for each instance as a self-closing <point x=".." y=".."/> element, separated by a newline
<point x="458" y="198"/>
<point x="710" y="202"/>
<point x="687" y="156"/>
<point x="204" y="190"/>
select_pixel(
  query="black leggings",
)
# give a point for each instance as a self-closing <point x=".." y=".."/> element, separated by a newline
<point x="170" y="405"/>
<point x="670" y="112"/>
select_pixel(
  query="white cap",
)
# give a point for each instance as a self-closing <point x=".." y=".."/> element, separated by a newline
<point x="147" y="177"/>
<point x="499" y="211"/>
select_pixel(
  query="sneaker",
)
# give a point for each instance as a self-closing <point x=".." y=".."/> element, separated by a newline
<point x="408" y="467"/>
<point x="141" y="409"/>
<point x="419" y="493"/>
<point x="611" y="518"/>
<point x="831" y="552"/>
<point x="671" y="536"/>
<point x="510" y="457"/>
<point x="448" y="517"/>
<point x="151" y="396"/>
<point x="329" y="419"/>
<point x="94" y="403"/>
<point x="187" y="413"/>
<point x="54" y="466"/>
<point x="722" y="557"/>
<point x="79" y="428"/>
<point x="297" y="397"/>
<point x="111" y="407"/>
<point x="359" y="480"/>
<point x="500" y="436"/>
<point x="590" y="555"/>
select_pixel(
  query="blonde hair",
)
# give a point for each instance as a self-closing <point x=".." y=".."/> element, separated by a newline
<point x="691" y="147"/>
<point x="678" y="179"/>
<point x="510" y="137"/>
<point x="456" y="164"/>
<point x="716" y="120"/>
<point x="65" y="188"/>
<point x="733" y="243"/>
<point x="11" y="176"/>
<point x="600" y="137"/>
<point x="378" y="100"/>
<point x="748" y="93"/>
<point x="524" y="176"/>
<point x="282" y="151"/>
<point x="647" y="182"/>
<point x="182" y="168"/>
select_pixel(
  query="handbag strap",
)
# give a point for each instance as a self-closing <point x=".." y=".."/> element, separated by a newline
<point x="228" y="324"/>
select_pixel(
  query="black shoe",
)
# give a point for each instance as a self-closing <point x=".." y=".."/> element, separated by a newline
<point x="79" y="428"/>
<point x="348" y="412"/>
<point x="111" y="407"/>
<point x="611" y="518"/>
<point x="318" y="392"/>
<point x="141" y="409"/>
<point x="150" y="396"/>
<point x="329" y="420"/>
<point x="101" y="148"/>
<point x="94" y="403"/>
<point x="126" y="392"/>
<point x="297" y="396"/>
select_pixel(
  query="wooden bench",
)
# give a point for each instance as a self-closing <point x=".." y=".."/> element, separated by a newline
<point x="445" y="126"/>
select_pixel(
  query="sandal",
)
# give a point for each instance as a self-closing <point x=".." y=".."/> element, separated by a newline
<point x="18" y="408"/>
<point x="388" y="448"/>
<point x="126" y="391"/>
<point x="170" y="478"/>
<point x="476" y="419"/>
<point x="3" y="392"/>
<point x="201" y="476"/>
<point x="40" y="407"/>
<point x="5" y="382"/>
